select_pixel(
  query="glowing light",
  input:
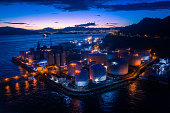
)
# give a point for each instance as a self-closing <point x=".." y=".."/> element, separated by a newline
<point x="77" y="71"/>
<point x="79" y="44"/>
<point x="105" y="67"/>
<point x="89" y="38"/>
<point x="25" y="75"/>
<point x="73" y="64"/>
<point x="16" y="77"/>
<point x="136" y="54"/>
<point x="128" y="49"/>
<point x="96" y="80"/>
<point x="39" y="69"/>
<point x="6" y="79"/>
<point x="114" y="63"/>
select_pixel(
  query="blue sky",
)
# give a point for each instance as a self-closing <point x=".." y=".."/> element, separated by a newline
<point x="38" y="14"/>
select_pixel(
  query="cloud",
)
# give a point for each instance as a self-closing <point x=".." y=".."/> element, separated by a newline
<point x="14" y="23"/>
<point x="85" y="25"/>
<point x="137" y="6"/>
<point x="112" y="5"/>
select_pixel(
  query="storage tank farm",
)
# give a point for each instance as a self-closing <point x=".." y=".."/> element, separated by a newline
<point x="82" y="78"/>
<point x="117" y="66"/>
<point x="97" y="73"/>
<point x="74" y="66"/>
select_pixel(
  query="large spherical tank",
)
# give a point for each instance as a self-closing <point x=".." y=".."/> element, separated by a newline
<point x="73" y="66"/>
<point x="81" y="78"/>
<point x="117" y="66"/>
<point x="97" y="72"/>
<point x="134" y="60"/>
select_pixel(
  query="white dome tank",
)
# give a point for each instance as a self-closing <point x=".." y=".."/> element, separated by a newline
<point x="81" y="78"/>
<point x="97" y="72"/>
<point x="117" y="66"/>
<point x="73" y="66"/>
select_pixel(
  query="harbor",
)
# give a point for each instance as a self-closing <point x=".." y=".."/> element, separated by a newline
<point x="46" y="89"/>
<point x="73" y="75"/>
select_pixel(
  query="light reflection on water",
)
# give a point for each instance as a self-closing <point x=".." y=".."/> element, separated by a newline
<point x="34" y="95"/>
<point x="8" y="91"/>
<point x="17" y="88"/>
<point x="26" y="86"/>
<point x="107" y="100"/>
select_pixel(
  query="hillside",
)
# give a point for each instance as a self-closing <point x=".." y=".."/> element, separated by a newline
<point x="15" y="31"/>
<point x="150" y="26"/>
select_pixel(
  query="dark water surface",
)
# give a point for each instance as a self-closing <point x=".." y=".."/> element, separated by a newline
<point x="37" y="97"/>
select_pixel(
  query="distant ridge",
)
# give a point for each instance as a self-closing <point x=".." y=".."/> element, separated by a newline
<point x="150" y="26"/>
<point x="16" y="31"/>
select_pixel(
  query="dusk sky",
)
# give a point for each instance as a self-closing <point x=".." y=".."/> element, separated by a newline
<point x="38" y="14"/>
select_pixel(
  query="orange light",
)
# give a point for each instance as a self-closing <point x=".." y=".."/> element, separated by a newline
<point x="33" y="73"/>
<point x="6" y="79"/>
<point x="73" y="64"/>
<point x="89" y="38"/>
<point x="90" y="60"/>
<point x="102" y="63"/>
<point x="77" y="71"/>
<point x="128" y="49"/>
<point x="25" y="75"/>
<point x="39" y="69"/>
<point x="16" y="77"/>
<point x="136" y="54"/>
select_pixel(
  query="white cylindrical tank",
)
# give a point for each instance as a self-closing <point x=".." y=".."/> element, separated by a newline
<point x="97" y="72"/>
<point x="81" y="78"/>
<point x="74" y="66"/>
<point x="134" y="60"/>
<point x="117" y="66"/>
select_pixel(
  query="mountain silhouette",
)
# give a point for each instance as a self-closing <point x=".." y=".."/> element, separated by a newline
<point x="149" y="26"/>
<point x="16" y="31"/>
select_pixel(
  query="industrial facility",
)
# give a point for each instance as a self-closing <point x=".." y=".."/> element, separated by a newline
<point x="83" y="64"/>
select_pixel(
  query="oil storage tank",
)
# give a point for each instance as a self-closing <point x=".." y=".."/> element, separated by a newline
<point x="117" y="66"/>
<point x="81" y="78"/>
<point x="134" y="60"/>
<point x="74" y="66"/>
<point x="145" y="55"/>
<point x="97" y="73"/>
<point x="100" y="58"/>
